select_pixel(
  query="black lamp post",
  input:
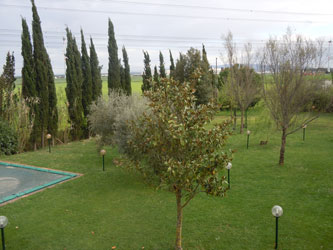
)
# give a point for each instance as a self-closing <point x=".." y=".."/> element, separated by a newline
<point x="304" y="127"/>
<point x="248" y="138"/>
<point x="48" y="137"/>
<point x="103" y="152"/>
<point x="277" y="211"/>
<point x="229" y="165"/>
<point x="3" y="224"/>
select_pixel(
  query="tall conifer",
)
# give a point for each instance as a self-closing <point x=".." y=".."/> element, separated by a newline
<point x="28" y="71"/>
<point x="42" y="112"/>
<point x="162" y="67"/>
<point x="127" y="87"/>
<point x="74" y="79"/>
<point x="95" y="73"/>
<point x="155" y="76"/>
<point x="87" y="78"/>
<point x="114" y="67"/>
<point x="172" y="66"/>
<point x="146" y="75"/>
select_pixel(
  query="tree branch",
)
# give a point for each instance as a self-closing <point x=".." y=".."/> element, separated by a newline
<point x="305" y="123"/>
<point x="191" y="197"/>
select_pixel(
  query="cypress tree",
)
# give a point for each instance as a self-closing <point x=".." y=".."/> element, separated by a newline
<point x="41" y="69"/>
<point x="172" y="66"/>
<point x="156" y="76"/>
<point x="74" y="79"/>
<point x="122" y="77"/>
<point x="95" y="73"/>
<point x="52" y="118"/>
<point x="146" y="75"/>
<point x="128" y="86"/>
<point x="114" y="67"/>
<point x="180" y="68"/>
<point x="28" y="72"/>
<point x="87" y="78"/>
<point x="162" y="67"/>
<point x="29" y="91"/>
<point x="7" y="87"/>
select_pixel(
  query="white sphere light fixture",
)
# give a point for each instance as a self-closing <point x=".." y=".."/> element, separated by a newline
<point x="248" y="132"/>
<point x="277" y="211"/>
<point x="48" y="136"/>
<point x="3" y="221"/>
<point x="102" y="152"/>
<point x="229" y="166"/>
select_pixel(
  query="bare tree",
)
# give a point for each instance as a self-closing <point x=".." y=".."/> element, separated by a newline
<point x="244" y="81"/>
<point x="288" y="88"/>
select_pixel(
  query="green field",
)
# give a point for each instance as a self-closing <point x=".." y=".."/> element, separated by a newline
<point x="115" y="208"/>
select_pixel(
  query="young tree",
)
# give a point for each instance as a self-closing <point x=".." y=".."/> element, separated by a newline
<point x="177" y="148"/>
<point x="114" y="67"/>
<point x="162" y="67"/>
<point x="95" y="73"/>
<point x="87" y="77"/>
<point x="172" y="66"/>
<point x="290" y="89"/>
<point x="122" y="76"/>
<point x="146" y="75"/>
<point x="74" y="79"/>
<point x="127" y="86"/>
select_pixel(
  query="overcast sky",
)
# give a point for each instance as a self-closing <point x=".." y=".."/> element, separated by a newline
<point x="155" y="25"/>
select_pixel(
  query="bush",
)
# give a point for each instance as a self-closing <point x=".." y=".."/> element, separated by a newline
<point x="8" y="139"/>
<point x="109" y="119"/>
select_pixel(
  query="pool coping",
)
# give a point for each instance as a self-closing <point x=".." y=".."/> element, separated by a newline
<point x="67" y="177"/>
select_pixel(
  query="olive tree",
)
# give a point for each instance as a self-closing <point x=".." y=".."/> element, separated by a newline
<point x="288" y="88"/>
<point x="173" y="146"/>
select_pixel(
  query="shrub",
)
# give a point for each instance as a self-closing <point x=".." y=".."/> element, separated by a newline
<point x="109" y="118"/>
<point x="8" y="139"/>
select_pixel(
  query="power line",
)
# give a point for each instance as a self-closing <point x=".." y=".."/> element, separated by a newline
<point x="163" y="15"/>
<point x="220" y="8"/>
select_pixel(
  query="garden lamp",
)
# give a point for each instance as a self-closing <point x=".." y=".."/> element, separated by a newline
<point x="304" y="127"/>
<point x="277" y="211"/>
<point x="3" y="224"/>
<point x="229" y="166"/>
<point x="48" y="137"/>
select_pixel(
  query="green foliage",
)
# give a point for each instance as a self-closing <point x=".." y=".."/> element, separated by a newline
<point x="127" y="77"/>
<point x="323" y="99"/>
<point x="146" y="75"/>
<point x="95" y="73"/>
<point x="162" y="66"/>
<point x="173" y="140"/>
<point x="74" y="79"/>
<point x="87" y="77"/>
<point x="8" y="139"/>
<point x="187" y="69"/>
<point x="114" y="67"/>
<point x="109" y="119"/>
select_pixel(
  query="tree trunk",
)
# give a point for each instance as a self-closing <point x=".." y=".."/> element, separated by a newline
<point x="245" y="118"/>
<point x="42" y="138"/>
<point x="242" y="121"/>
<point x="283" y="145"/>
<point x="179" y="220"/>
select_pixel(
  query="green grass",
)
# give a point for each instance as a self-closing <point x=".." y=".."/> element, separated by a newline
<point x="122" y="211"/>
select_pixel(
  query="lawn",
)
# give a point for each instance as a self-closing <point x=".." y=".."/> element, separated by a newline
<point x="115" y="208"/>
